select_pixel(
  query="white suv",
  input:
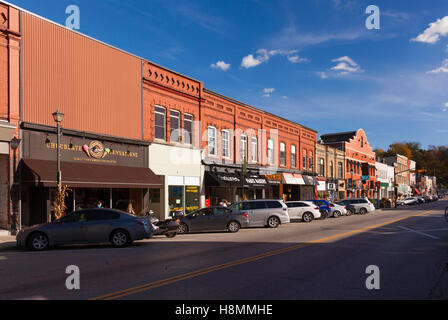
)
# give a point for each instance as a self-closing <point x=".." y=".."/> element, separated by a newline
<point x="303" y="210"/>
<point x="270" y="213"/>
<point x="360" y="205"/>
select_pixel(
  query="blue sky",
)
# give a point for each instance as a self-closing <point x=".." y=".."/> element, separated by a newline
<point x="310" y="61"/>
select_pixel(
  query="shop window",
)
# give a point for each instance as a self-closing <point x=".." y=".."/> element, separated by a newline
<point x="192" y="199"/>
<point x="225" y="136"/>
<point x="188" y="128"/>
<point x="282" y="154"/>
<point x="174" y="126"/>
<point x="176" y="199"/>
<point x="212" y="145"/>
<point x="160" y="123"/>
<point x="154" y="195"/>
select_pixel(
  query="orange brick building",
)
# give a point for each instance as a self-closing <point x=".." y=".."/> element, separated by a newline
<point x="134" y="133"/>
<point x="360" y="162"/>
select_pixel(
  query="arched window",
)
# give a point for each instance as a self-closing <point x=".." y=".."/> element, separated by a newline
<point x="293" y="156"/>
<point x="282" y="154"/>
<point x="331" y="170"/>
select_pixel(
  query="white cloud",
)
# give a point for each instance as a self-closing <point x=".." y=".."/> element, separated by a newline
<point x="434" y="32"/>
<point x="221" y="65"/>
<point x="346" y="65"/>
<point x="264" y="55"/>
<point x="322" y="75"/>
<point x="442" y="69"/>
<point x="445" y="107"/>
<point x="285" y="97"/>
<point x="268" y="91"/>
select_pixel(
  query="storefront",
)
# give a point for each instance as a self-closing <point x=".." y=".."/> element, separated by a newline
<point x="275" y="183"/>
<point x="184" y="194"/>
<point x="322" y="188"/>
<point x="341" y="191"/>
<point x="298" y="186"/>
<point x="105" y="171"/>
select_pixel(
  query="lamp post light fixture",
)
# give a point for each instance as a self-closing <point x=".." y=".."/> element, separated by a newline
<point x="58" y="116"/>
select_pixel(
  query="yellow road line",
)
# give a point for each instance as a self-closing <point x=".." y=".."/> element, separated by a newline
<point x="193" y="274"/>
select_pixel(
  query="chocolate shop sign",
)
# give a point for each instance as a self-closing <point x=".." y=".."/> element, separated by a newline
<point x="38" y="145"/>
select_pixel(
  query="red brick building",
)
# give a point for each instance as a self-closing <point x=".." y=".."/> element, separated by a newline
<point x="360" y="161"/>
<point x="134" y="133"/>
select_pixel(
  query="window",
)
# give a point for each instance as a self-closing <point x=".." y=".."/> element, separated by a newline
<point x="174" y="126"/>
<point x="96" y="215"/>
<point x="212" y="149"/>
<point x="310" y="163"/>
<point x="362" y="142"/>
<point x="160" y="123"/>
<point x="257" y="205"/>
<point x="271" y="151"/>
<point x="225" y="144"/>
<point x="254" y="149"/>
<point x="274" y="204"/>
<point x="321" y="167"/>
<point x="282" y="154"/>
<point x="340" y="170"/>
<point x="243" y="148"/>
<point x="188" y="128"/>
<point x="304" y="160"/>
<point x="293" y="156"/>
<point x="331" y="170"/>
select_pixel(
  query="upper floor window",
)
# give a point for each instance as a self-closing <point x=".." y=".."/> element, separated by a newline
<point x="226" y="144"/>
<point x="254" y="143"/>
<point x="331" y="170"/>
<point x="304" y="160"/>
<point x="174" y="126"/>
<point x="160" y="123"/>
<point x="271" y="151"/>
<point x="310" y="163"/>
<point x="340" y="170"/>
<point x="362" y="142"/>
<point x="282" y="154"/>
<point x="188" y="128"/>
<point x="212" y="143"/>
<point x="293" y="156"/>
<point x="243" y="148"/>
<point x="321" y="167"/>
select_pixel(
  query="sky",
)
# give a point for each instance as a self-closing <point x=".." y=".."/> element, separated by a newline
<point x="311" y="61"/>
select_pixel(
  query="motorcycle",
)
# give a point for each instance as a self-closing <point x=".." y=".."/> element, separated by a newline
<point x="167" y="228"/>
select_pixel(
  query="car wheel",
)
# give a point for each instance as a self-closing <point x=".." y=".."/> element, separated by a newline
<point x="350" y="212"/>
<point x="273" y="222"/>
<point x="336" y="214"/>
<point x="38" y="241"/>
<point x="307" y="217"/>
<point x="170" y="234"/>
<point x="323" y="215"/>
<point x="182" y="229"/>
<point x="233" y="227"/>
<point x="120" y="238"/>
<point x="363" y="211"/>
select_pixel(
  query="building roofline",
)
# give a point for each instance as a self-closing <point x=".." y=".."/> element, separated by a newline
<point x="254" y="108"/>
<point x="93" y="39"/>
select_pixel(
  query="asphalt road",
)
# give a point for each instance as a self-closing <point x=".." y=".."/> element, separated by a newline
<point x="321" y="260"/>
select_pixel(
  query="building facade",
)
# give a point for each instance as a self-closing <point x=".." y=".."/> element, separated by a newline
<point x="402" y="174"/>
<point x="330" y="168"/>
<point x="360" y="162"/>
<point x="384" y="181"/>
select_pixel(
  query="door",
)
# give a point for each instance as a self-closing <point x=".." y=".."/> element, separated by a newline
<point x="200" y="220"/>
<point x="294" y="210"/>
<point x="99" y="225"/>
<point x="258" y="213"/>
<point x="68" y="229"/>
<point x="219" y="218"/>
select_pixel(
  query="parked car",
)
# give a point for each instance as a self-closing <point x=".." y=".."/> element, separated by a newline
<point x="87" y="226"/>
<point x="407" y="202"/>
<point x="421" y="200"/>
<point x="324" y="206"/>
<point x="270" y="213"/>
<point x="359" y="205"/>
<point x="303" y="210"/>
<point x="349" y="207"/>
<point x="213" y="218"/>
<point x="337" y="210"/>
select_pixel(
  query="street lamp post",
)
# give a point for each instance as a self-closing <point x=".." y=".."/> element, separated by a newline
<point x="58" y="116"/>
<point x="15" y="191"/>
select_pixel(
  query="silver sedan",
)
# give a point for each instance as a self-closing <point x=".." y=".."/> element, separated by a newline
<point x="337" y="210"/>
<point x="87" y="226"/>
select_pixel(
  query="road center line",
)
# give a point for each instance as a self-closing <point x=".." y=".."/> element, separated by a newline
<point x="193" y="274"/>
<point x="419" y="232"/>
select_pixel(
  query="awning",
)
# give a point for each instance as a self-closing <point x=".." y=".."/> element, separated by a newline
<point x="256" y="181"/>
<point x="292" y="179"/>
<point x="220" y="179"/>
<point x="83" y="175"/>
<point x="310" y="181"/>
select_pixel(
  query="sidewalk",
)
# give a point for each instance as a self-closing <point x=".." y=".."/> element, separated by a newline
<point x="7" y="241"/>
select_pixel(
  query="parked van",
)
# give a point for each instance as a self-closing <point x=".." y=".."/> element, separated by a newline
<point x="269" y="213"/>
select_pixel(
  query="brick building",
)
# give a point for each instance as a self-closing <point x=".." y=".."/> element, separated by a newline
<point x="134" y="133"/>
<point x="360" y="161"/>
<point x="330" y="168"/>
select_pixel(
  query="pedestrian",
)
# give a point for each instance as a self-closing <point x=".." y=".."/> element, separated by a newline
<point x="130" y="209"/>
<point x="99" y="204"/>
<point x="223" y="203"/>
